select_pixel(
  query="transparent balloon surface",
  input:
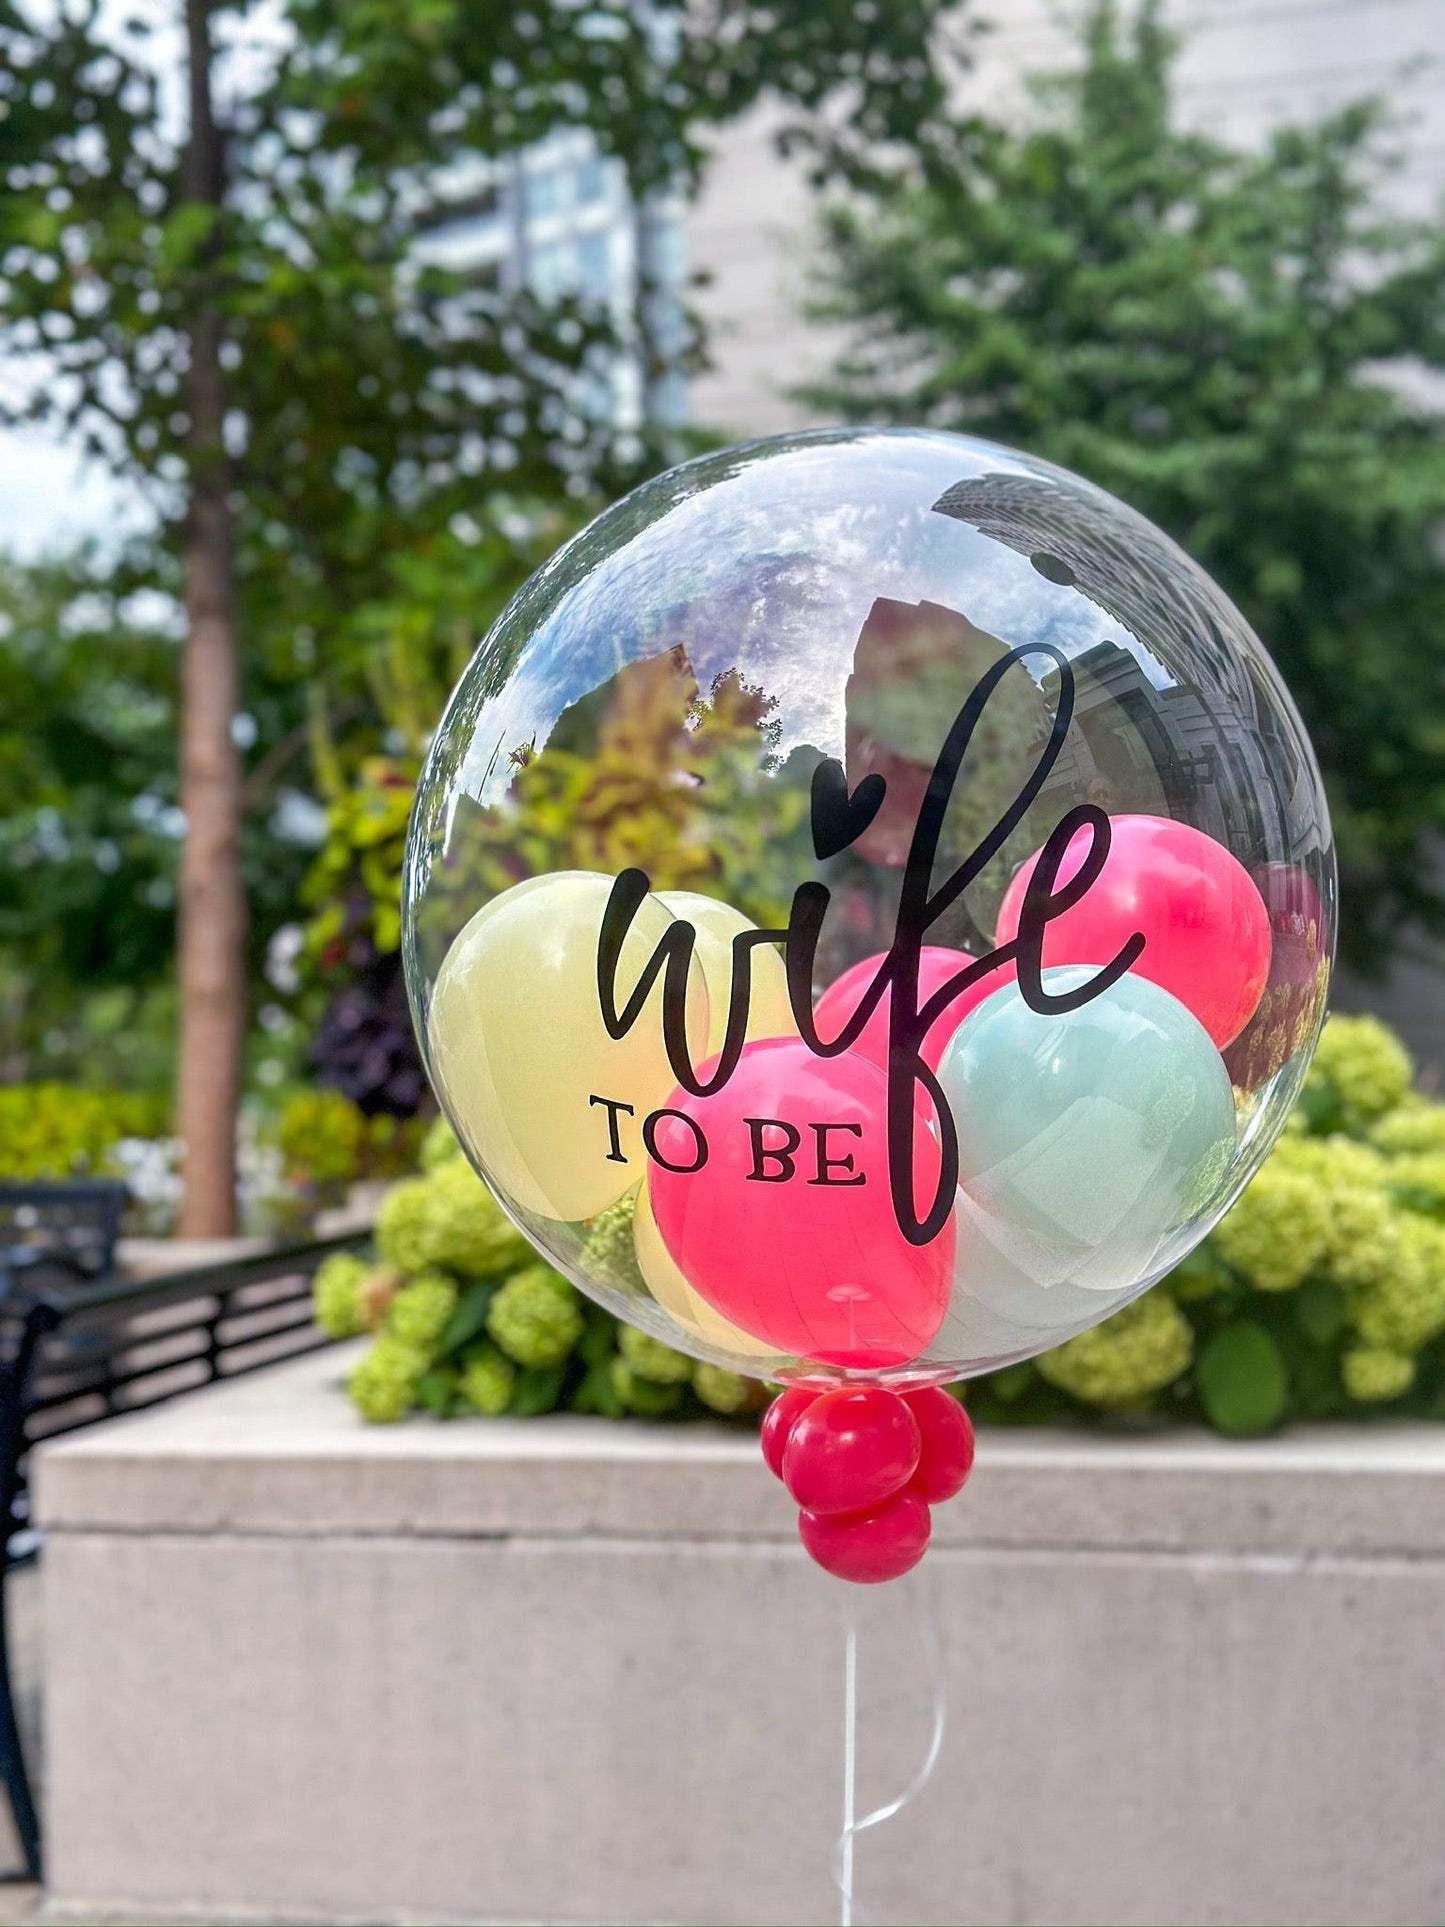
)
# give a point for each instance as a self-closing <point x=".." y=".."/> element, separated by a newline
<point x="869" y="907"/>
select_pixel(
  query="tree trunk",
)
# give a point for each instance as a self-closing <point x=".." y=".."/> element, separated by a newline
<point x="211" y="937"/>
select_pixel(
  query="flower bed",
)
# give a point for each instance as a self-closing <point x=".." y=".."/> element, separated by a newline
<point x="295" y="1160"/>
<point x="1321" y="1294"/>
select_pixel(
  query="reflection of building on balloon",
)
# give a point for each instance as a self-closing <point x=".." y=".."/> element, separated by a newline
<point x="1293" y="1005"/>
<point x="1156" y="747"/>
<point x="1082" y="539"/>
<point x="1209" y="750"/>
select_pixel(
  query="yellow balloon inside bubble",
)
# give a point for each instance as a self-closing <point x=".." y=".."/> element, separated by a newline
<point x="770" y="1011"/>
<point x="521" y="1057"/>
<point x="670" y="1288"/>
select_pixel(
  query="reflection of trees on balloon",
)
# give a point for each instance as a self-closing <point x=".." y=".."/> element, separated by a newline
<point x="645" y="771"/>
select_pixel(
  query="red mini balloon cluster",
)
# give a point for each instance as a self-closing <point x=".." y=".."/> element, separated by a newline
<point x="865" y="1465"/>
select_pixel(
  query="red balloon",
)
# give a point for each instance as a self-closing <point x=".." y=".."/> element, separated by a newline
<point x="869" y="1547"/>
<point x="946" y="1435"/>
<point x="851" y="1449"/>
<point x="786" y="1224"/>
<point x="778" y="1421"/>
<point x="1205" y="925"/>
<point x="935" y="966"/>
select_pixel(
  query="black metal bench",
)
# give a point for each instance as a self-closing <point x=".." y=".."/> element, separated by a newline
<point x="68" y="1226"/>
<point x="72" y="1354"/>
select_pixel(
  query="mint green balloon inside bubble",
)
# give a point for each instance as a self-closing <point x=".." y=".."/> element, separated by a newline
<point x="1087" y="1135"/>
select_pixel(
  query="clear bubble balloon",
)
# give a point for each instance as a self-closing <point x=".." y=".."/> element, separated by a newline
<point x="869" y="907"/>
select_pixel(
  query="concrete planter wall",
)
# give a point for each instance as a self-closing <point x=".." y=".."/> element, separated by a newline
<point x="299" y="1669"/>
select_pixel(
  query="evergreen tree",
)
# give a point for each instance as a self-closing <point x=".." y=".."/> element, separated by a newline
<point x="1215" y="336"/>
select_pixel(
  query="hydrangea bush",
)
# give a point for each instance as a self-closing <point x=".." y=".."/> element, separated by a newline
<point x="1320" y="1295"/>
<point x="467" y="1319"/>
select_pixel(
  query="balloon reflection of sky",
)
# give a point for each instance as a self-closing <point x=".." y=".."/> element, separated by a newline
<point x="773" y="576"/>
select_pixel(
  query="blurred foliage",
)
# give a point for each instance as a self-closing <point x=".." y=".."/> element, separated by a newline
<point x="405" y="441"/>
<point x="90" y="828"/>
<point x="57" y="1131"/>
<point x="402" y="435"/>
<point x="326" y="1141"/>
<point x="1216" y="335"/>
<point x="1321" y="1295"/>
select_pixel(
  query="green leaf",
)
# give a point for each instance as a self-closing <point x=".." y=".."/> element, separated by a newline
<point x="469" y="1317"/>
<point x="597" y="1393"/>
<point x="1241" y="1380"/>
<point x="538" y="1389"/>
<point x="599" y="1341"/>
<point x="1012" y="1382"/>
<point x="1319" y="1310"/>
<point x="186" y="231"/>
<point x="437" y="1390"/>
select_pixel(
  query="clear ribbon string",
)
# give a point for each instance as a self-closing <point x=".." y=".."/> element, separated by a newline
<point x="843" y="1858"/>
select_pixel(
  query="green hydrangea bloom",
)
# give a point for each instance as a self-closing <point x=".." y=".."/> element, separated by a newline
<point x="1278" y="1231"/>
<point x="1364" y="1064"/>
<point x="487" y="1381"/>
<point x="383" y="1385"/>
<point x="422" y="1309"/>
<point x="401" y="1225"/>
<point x="610" y="1251"/>
<point x="468" y="1232"/>
<point x="1363" y="1244"/>
<point x="448" y="1220"/>
<point x="643" y="1395"/>
<point x="1416" y="1126"/>
<point x="1405" y="1308"/>
<point x="336" y="1295"/>
<point x="723" y="1391"/>
<point x="1138" y="1351"/>
<point x="1335" y="1161"/>
<point x="536" y="1317"/>
<point x="649" y="1358"/>
<point x="439" y="1146"/>
<point x="1372" y="1374"/>
<point x="1418" y="1181"/>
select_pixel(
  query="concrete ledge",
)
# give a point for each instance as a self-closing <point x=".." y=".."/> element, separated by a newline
<point x="283" y="1453"/>
<point x="303" y="1669"/>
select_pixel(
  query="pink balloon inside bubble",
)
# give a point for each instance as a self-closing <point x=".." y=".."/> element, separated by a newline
<point x="936" y="965"/>
<point x="1205" y="926"/>
<point x="772" y="1196"/>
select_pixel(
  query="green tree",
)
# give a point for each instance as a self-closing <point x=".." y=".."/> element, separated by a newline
<point x="90" y="827"/>
<point x="1205" y="332"/>
<point x="223" y="299"/>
